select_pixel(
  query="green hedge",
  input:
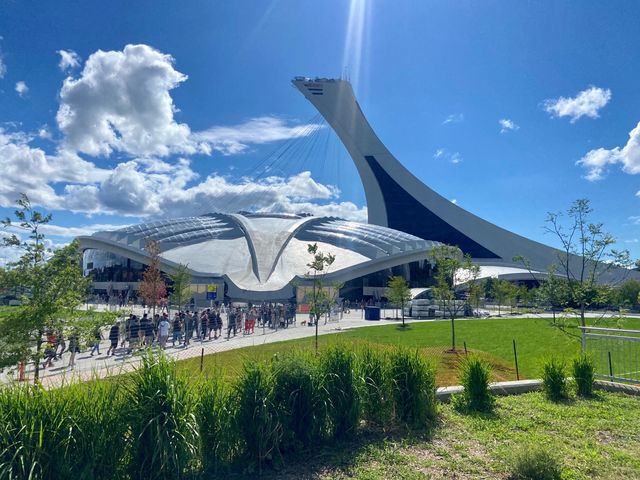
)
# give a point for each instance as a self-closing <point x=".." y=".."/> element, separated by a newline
<point x="157" y="423"/>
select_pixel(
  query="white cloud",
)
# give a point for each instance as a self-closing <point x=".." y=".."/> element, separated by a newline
<point x="68" y="60"/>
<point x="507" y="125"/>
<point x="235" y="139"/>
<point x="21" y="88"/>
<point x="71" y="232"/>
<point x="454" y="118"/>
<point x="596" y="161"/>
<point x="454" y="201"/>
<point x="586" y="104"/>
<point x="444" y="154"/>
<point x="121" y="102"/>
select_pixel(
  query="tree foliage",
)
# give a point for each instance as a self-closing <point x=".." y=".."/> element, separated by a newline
<point x="180" y="285"/>
<point x="452" y="270"/>
<point x="153" y="289"/>
<point x="399" y="293"/>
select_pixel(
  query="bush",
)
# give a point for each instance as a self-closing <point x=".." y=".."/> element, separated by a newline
<point x="218" y="437"/>
<point x="163" y="426"/>
<point x="413" y="383"/>
<point x="256" y="417"/>
<point x="338" y="370"/>
<point x="299" y="401"/>
<point x="474" y="375"/>
<point x="583" y="375"/>
<point x="535" y="463"/>
<point x="376" y="389"/>
<point x="554" y="379"/>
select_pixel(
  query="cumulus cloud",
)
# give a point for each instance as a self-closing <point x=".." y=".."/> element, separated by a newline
<point x="454" y="118"/>
<point x="587" y="103"/>
<point x="231" y="140"/>
<point x="21" y="88"/>
<point x="507" y="125"/>
<point x="444" y="154"/>
<point x="596" y="161"/>
<point x="68" y="60"/>
<point x="121" y="102"/>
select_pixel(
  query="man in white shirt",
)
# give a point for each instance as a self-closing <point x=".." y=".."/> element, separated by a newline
<point x="163" y="332"/>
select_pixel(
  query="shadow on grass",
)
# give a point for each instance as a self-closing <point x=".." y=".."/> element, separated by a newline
<point x="340" y="457"/>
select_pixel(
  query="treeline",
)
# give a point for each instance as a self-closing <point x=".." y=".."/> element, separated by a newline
<point x="157" y="423"/>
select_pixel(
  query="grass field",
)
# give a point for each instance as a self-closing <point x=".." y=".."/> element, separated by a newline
<point x="594" y="438"/>
<point x="535" y="338"/>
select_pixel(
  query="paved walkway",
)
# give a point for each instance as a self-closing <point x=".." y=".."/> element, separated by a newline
<point x="87" y="366"/>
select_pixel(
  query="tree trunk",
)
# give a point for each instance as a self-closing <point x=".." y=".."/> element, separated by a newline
<point x="403" y="316"/>
<point x="453" y="334"/>
<point x="582" y="319"/>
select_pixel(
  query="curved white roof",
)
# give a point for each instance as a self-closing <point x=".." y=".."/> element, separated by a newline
<point x="264" y="252"/>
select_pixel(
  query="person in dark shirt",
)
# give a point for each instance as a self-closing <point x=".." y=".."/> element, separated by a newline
<point x="177" y="330"/>
<point x="114" y="335"/>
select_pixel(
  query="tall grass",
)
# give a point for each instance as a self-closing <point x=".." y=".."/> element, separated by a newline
<point x="377" y="401"/>
<point x="583" y="375"/>
<point x="340" y="382"/>
<point x="414" y="388"/>
<point x="256" y="416"/>
<point x="474" y="376"/>
<point x="554" y="379"/>
<point x="215" y="416"/>
<point x="299" y="400"/>
<point x="164" y="433"/>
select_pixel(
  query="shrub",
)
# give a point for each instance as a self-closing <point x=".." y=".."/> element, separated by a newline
<point x="376" y="389"/>
<point x="162" y="420"/>
<point x="474" y="375"/>
<point x="413" y="382"/>
<point x="583" y="375"/>
<point x="256" y="418"/>
<point x="299" y="400"/>
<point x="535" y="463"/>
<point x="218" y="437"/>
<point x="59" y="433"/>
<point x="339" y="378"/>
<point x="554" y="379"/>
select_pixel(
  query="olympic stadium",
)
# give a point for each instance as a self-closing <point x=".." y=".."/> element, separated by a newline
<point x="258" y="257"/>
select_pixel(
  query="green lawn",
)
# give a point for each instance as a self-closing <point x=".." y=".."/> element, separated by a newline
<point x="595" y="438"/>
<point x="493" y="338"/>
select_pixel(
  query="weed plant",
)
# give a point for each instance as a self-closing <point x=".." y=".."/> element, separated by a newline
<point x="376" y="395"/>
<point x="583" y="375"/>
<point x="474" y="376"/>
<point x="413" y="382"/>
<point x="164" y="433"/>
<point x="340" y="382"/>
<point x="554" y="379"/>
<point x="534" y="462"/>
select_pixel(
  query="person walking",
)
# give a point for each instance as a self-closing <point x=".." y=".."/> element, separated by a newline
<point x="177" y="329"/>
<point x="74" y="347"/>
<point x="95" y="345"/>
<point x="163" y="332"/>
<point x="114" y="335"/>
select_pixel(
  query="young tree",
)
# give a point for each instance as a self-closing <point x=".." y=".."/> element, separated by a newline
<point x="586" y="252"/>
<point x="321" y="300"/>
<point x="502" y="293"/>
<point x="399" y="293"/>
<point x="53" y="289"/>
<point x="452" y="270"/>
<point x="181" y="286"/>
<point x="152" y="287"/>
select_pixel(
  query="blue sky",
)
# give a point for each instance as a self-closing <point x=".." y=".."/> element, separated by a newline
<point x="174" y="123"/>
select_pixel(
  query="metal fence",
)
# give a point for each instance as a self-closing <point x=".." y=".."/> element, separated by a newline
<point x="615" y="352"/>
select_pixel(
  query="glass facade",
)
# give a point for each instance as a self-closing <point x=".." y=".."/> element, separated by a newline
<point x="103" y="266"/>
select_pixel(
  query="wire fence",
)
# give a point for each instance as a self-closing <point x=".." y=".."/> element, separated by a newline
<point x="615" y="352"/>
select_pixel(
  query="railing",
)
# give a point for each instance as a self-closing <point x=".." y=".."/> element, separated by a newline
<point x="615" y="352"/>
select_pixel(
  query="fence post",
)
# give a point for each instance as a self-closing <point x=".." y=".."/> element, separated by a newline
<point x="610" y="366"/>
<point x="465" y="347"/>
<point x="201" y="359"/>
<point x="515" y="355"/>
